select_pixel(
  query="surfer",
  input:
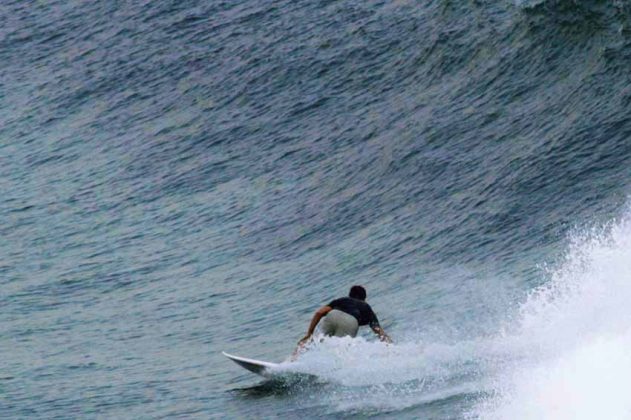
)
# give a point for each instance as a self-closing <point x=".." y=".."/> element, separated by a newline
<point x="344" y="316"/>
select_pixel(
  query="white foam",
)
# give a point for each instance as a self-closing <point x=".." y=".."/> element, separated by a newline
<point x="571" y="351"/>
<point x="369" y="375"/>
<point x="357" y="362"/>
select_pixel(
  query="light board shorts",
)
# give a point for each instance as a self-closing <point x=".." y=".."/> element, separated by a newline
<point x="339" y="324"/>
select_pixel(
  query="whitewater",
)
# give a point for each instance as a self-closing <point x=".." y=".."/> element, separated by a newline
<point x="570" y="344"/>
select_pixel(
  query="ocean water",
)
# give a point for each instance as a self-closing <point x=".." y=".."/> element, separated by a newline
<point x="179" y="179"/>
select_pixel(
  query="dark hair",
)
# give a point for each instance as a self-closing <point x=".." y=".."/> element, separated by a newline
<point x="357" y="292"/>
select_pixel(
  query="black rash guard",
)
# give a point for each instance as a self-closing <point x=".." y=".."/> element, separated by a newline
<point x="357" y="308"/>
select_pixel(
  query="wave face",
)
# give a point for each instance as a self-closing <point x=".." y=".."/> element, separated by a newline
<point x="179" y="179"/>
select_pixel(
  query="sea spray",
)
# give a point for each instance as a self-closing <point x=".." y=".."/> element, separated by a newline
<point x="571" y="357"/>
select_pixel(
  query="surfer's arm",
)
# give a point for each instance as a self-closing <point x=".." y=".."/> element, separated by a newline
<point x="381" y="333"/>
<point x="314" y="322"/>
<point x="376" y="328"/>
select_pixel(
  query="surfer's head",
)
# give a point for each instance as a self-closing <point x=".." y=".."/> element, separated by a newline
<point x="357" y="292"/>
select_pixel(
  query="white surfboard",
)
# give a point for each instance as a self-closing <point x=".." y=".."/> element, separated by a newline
<point x="259" y="367"/>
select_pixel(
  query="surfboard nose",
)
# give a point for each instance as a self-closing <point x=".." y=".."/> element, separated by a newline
<point x="255" y="366"/>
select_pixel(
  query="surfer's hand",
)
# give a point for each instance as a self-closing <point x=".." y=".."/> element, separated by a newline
<point x="304" y="340"/>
